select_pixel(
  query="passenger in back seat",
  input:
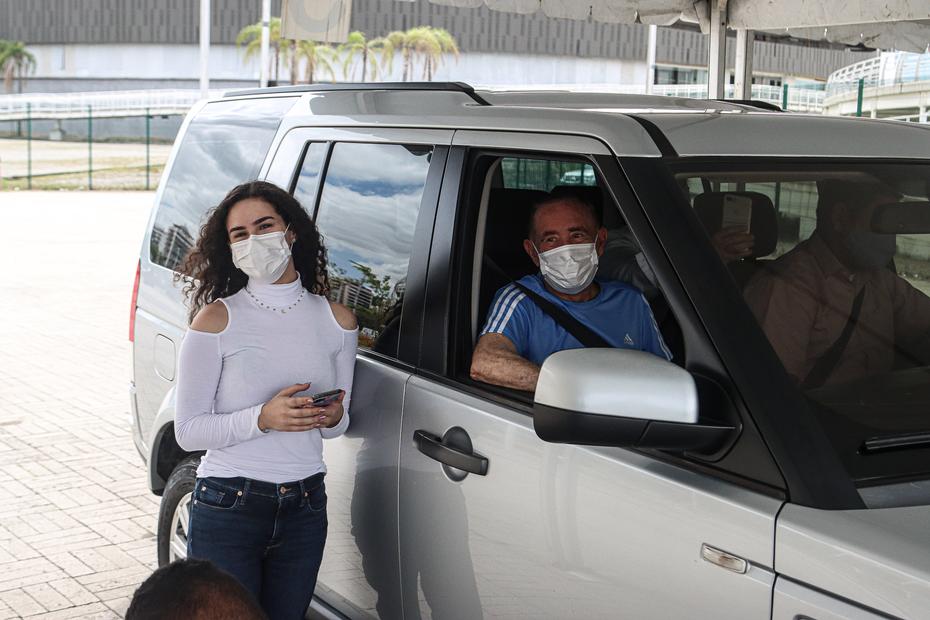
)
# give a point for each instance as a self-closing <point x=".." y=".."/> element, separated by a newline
<point x="565" y="240"/>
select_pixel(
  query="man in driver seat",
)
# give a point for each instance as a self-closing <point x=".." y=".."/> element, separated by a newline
<point x="806" y="301"/>
<point x="565" y="239"/>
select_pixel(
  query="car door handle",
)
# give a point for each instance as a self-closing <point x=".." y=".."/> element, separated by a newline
<point x="453" y="449"/>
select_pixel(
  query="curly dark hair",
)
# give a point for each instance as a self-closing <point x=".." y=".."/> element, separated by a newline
<point x="208" y="269"/>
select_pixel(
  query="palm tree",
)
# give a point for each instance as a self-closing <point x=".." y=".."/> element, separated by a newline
<point x="318" y="56"/>
<point x="395" y="42"/>
<point x="442" y="43"/>
<point x="357" y="43"/>
<point x="251" y="36"/>
<point x="15" y="61"/>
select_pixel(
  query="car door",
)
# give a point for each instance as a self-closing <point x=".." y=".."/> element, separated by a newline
<point x="373" y="194"/>
<point x="553" y="530"/>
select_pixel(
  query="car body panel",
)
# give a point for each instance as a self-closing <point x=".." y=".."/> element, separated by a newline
<point x="790" y="135"/>
<point x="359" y="575"/>
<point x="564" y="531"/>
<point x="793" y="601"/>
<point x="879" y="558"/>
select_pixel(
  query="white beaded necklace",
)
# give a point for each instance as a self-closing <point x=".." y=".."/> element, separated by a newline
<point x="275" y="308"/>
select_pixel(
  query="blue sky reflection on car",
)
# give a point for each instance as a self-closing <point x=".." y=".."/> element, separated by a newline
<point x="368" y="211"/>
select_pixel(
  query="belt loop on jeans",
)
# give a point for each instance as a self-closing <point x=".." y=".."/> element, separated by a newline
<point x="245" y="491"/>
<point x="303" y="492"/>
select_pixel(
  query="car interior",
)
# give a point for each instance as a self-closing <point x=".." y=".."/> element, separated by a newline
<point x="499" y="258"/>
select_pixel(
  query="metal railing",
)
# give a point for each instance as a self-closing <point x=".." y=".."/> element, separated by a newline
<point x="101" y="104"/>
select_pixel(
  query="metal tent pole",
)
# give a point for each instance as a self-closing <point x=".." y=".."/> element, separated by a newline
<point x="744" y="41"/>
<point x="651" y="58"/>
<point x="266" y="42"/>
<point x="717" y="58"/>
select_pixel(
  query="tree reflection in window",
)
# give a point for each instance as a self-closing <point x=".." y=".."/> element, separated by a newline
<point x="368" y="211"/>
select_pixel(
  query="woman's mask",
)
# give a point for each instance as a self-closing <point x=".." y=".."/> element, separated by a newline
<point x="262" y="257"/>
<point x="569" y="268"/>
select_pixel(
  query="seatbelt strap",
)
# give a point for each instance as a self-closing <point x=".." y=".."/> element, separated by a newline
<point x="828" y="361"/>
<point x="581" y="332"/>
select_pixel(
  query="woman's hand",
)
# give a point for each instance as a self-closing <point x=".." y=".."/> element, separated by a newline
<point x="733" y="243"/>
<point x="331" y="414"/>
<point x="288" y="413"/>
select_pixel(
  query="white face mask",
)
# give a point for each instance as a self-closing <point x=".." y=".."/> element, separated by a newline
<point x="262" y="257"/>
<point x="569" y="268"/>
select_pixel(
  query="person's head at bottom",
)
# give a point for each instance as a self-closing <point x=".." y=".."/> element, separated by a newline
<point x="195" y="590"/>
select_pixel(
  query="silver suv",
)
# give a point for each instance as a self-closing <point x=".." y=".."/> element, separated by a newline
<point x="712" y="486"/>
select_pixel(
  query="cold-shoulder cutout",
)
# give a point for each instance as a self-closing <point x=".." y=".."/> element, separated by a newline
<point x="344" y="316"/>
<point x="212" y="318"/>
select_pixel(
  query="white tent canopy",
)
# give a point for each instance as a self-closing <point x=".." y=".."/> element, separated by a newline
<point x="888" y="24"/>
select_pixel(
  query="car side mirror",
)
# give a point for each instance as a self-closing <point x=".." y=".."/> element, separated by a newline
<point x="620" y="397"/>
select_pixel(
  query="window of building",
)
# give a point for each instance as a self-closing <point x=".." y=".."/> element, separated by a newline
<point x="368" y="211"/>
<point x="544" y="174"/>
<point x="229" y="140"/>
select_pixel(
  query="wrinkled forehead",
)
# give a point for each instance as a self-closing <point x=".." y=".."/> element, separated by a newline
<point x="563" y="214"/>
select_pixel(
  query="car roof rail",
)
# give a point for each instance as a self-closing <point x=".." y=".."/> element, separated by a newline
<point x="323" y="87"/>
<point x="754" y="103"/>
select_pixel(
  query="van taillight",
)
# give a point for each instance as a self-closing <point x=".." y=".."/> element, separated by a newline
<point x="132" y="308"/>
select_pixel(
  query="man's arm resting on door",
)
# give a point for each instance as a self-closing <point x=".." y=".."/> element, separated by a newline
<point x="496" y="361"/>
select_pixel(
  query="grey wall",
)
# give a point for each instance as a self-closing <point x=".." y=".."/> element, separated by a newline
<point x="479" y="30"/>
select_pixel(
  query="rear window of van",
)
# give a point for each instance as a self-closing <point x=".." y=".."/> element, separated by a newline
<point x="224" y="146"/>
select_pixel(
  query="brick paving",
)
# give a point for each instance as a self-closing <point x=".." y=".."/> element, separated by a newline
<point x="77" y="521"/>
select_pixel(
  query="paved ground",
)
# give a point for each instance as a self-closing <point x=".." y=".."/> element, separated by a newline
<point x="77" y="522"/>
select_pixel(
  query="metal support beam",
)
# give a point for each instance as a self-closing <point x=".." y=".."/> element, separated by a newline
<point x="204" y="48"/>
<point x="266" y="42"/>
<point x="651" y="58"/>
<point x="744" y="41"/>
<point x="717" y="56"/>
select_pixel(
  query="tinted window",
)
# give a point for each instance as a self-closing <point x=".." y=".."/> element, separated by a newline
<point x="309" y="179"/>
<point x="224" y="146"/>
<point x="368" y="212"/>
<point x="839" y="281"/>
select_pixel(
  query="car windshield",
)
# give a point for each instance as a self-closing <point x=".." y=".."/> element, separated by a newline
<point x="833" y="260"/>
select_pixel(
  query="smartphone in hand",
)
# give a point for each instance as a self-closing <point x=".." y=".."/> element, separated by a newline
<point x="325" y="398"/>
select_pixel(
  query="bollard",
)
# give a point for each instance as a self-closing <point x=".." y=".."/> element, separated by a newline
<point x="90" y="148"/>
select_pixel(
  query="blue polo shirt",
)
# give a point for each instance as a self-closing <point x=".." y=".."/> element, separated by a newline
<point x="619" y="314"/>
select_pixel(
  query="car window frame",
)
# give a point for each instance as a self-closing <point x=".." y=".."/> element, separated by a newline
<point x="445" y="290"/>
<point x="297" y="141"/>
<point x="812" y="470"/>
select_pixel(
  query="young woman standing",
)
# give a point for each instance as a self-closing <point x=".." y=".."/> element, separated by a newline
<point x="263" y="338"/>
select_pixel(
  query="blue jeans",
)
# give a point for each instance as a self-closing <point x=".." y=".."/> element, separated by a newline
<point x="269" y="536"/>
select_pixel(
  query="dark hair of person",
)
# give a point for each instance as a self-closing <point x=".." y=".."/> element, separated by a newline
<point x="209" y="270"/>
<point x="851" y="194"/>
<point x="192" y="590"/>
<point x="562" y="197"/>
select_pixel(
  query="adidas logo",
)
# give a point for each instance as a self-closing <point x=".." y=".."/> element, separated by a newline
<point x="628" y="341"/>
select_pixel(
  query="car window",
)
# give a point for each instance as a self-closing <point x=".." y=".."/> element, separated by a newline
<point x="368" y="210"/>
<point x="224" y="146"/>
<point x="544" y="174"/>
<point x="308" y="179"/>
<point x="838" y="278"/>
<point x="622" y="310"/>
